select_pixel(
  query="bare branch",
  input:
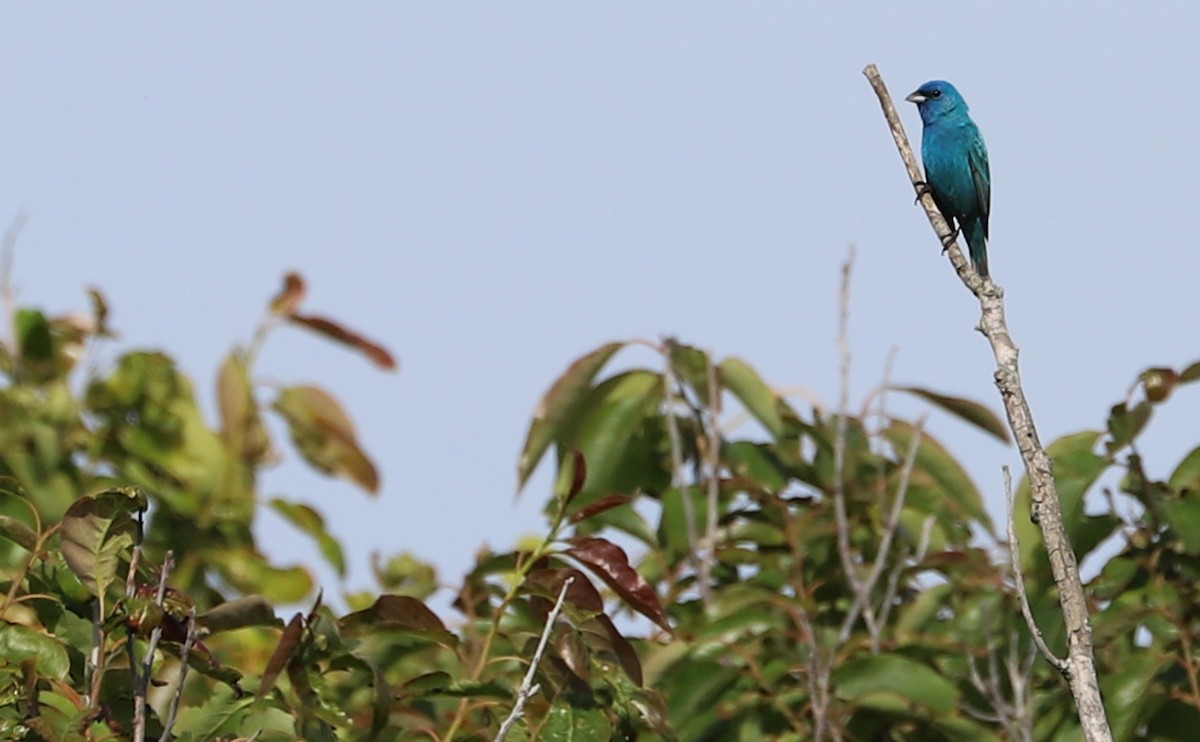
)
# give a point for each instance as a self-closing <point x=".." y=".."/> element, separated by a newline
<point x="839" y="444"/>
<point x="188" y="643"/>
<point x="143" y="682"/>
<point x="1014" y="557"/>
<point x="1080" y="669"/>
<point x="528" y="689"/>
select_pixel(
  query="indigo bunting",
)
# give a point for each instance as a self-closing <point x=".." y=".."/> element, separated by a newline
<point x="956" y="165"/>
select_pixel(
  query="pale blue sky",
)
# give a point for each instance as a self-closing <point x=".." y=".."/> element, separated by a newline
<point x="493" y="189"/>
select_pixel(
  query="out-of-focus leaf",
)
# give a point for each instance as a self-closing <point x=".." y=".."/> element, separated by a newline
<point x="914" y="682"/>
<point x="616" y="432"/>
<point x="1187" y="474"/>
<point x="567" y="723"/>
<point x="964" y="409"/>
<point x="375" y="352"/>
<point x="312" y="523"/>
<point x="1076" y="469"/>
<point x="691" y="366"/>
<point x="559" y="405"/>
<point x="572" y="476"/>
<point x="1124" y="424"/>
<point x="610" y="563"/>
<point x="599" y="506"/>
<point x="16" y="531"/>
<point x="251" y="572"/>
<point x="289" y="644"/>
<point x="252" y="610"/>
<point x="942" y="470"/>
<point x="290" y="296"/>
<point x="325" y="436"/>
<point x="399" y="613"/>
<point x="743" y="381"/>
<point x="1190" y="374"/>
<point x="34" y="335"/>
<point x="1183" y="515"/>
<point x="430" y="682"/>
<point x="21" y="644"/>
<point x="241" y="425"/>
<point x="97" y="531"/>
<point x="1127" y="693"/>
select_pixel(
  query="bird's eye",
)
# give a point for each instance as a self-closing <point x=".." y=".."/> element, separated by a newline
<point x="936" y="94"/>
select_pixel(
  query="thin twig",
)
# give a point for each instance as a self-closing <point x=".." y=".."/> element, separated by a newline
<point x="7" y="293"/>
<point x="1046" y="509"/>
<point x="713" y="430"/>
<point x="528" y="689"/>
<point x="188" y="642"/>
<point x="143" y="686"/>
<point x="678" y="481"/>
<point x="839" y="443"/>
<point x="1014" y="558"/>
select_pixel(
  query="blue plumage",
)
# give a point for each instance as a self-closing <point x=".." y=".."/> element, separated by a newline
<point x="956" y="165"/>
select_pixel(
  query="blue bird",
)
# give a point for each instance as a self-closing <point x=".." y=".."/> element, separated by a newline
<point x="956" y="165"/>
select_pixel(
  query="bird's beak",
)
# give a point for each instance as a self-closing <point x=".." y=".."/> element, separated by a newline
<point x="916" y="97"/>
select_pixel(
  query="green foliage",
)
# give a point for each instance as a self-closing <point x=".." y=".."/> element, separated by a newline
<point x="769" y="572"/>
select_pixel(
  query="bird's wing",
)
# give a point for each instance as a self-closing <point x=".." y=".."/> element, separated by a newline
<point x="977" y="158"/>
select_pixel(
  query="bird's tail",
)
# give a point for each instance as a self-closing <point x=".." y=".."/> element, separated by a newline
<point x="976" y="234"/>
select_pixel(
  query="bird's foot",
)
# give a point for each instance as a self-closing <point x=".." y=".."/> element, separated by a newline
<point x="922" y="188"/>
<point x="946" y="243"/>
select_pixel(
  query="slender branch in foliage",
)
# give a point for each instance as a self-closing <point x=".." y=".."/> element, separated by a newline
<point x="839" y="443"/>
<point x="1046" y="509"/>
<point x="862" y="599"/>
<point x="710" y="421"/>
<point x="1014" y="556"/>
<point x="143" y="682"/>
<point x="188" y="643"/>
<point x="899" y="567"/>
<point x="528" y="688"/>
<point x="671" y="384"/>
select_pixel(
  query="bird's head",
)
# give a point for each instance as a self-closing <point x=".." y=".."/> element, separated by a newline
<point x="937" y="98"/>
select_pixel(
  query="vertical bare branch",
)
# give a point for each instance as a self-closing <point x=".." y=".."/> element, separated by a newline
<point x="839" y="443"/>
<point x="528" y="688"/>
<point x="188" y="643"/>
<point x="1080" y="669"/>
<point x="1014" y="557"/>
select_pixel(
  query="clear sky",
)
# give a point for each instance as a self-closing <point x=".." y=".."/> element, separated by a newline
<point x="492" y="189"/>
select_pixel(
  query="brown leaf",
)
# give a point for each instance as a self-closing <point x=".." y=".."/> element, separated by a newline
<point x="289" y="643"/>
<point x="324" y="435"/>
<point x="330" y="329"/>
<point x="289" y="297"/>
<point x="608" y="502"/>
<point x="611" y="564"/>
<point x="398" y="613"/>
<point x="547" y="583"/>
<point x="620" y="647"/>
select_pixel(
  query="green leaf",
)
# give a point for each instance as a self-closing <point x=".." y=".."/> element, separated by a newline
<point x="241" y="424"/>
<point x="1183" y="515"/>
<point x="1076" y="469"/>
<point x="251" y="572"/>
<point x="743" y="381"/>
<point x="19" y="533"/>
<point x="1187" y="474"/>
<point x="972" y="412"/>
<point x="893" y="674"/>
<point x="1124" y="424"/>
<point x="310" y="522"/>
<point x="566" y="723"/>
<point x="559" y="406"/>
<point x="935" y="468"/>
<point x="252" y="610"/>
<point x="324" y="435"/>
<point x="97" y="531"/>
<point x="20" y="644"/>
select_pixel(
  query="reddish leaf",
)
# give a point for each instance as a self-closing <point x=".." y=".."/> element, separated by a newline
<point x="288" y="299"/>
<point x="547" y="583"/>
<point x="324" y="435"/>
<point x="611" y="564"/>
<point x="330" y="329"/>
<point x="578" y="474"/>
<point x="99" y="313"/>
<point x="398" y="613"/>
<point x="621" y="647"/>
<point x="289" y="643"/>
<point x="608" y="502"/>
